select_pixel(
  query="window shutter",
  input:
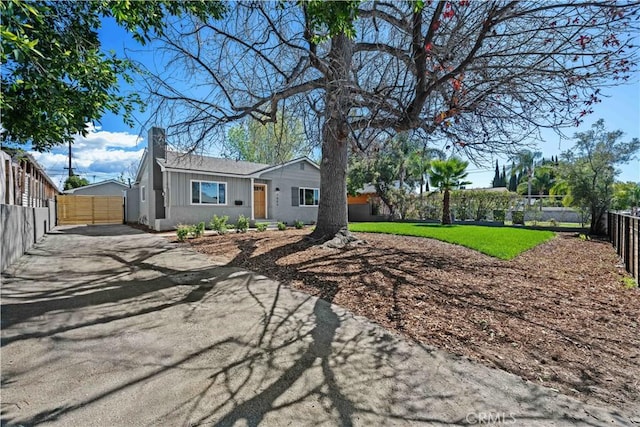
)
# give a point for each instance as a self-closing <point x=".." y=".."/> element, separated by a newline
<point x="295" y="196"/>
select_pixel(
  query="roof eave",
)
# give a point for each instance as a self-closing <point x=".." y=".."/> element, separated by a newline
<point x="164" y="168"/>
<point x="141" y="167"/>
<point x="290" y="162"/>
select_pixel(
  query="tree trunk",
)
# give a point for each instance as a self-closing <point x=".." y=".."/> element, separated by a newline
<point x="382" y="193"/>
<point x="596" y="227"/>
<point x="446" y="208"/>
<point x="332" y="210"/>
<point x="529" y="189"/>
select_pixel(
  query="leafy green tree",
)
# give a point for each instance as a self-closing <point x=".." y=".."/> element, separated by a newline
<point x="525" y="162"/>
<point x="543" y="179"/>
<point x="589" y="169"/>
<point x="625" y="195"/>
<point x="271" y="143"/>
<point x="560" y="188"/>
<point x="55" y="76"/>
<point x="395" y="167"/>
<point x="513" y="178"/>
<point x="75" y="181"/>
<point x="420" y="164"/>
<point x="448" y="175"/>
<point x="385" y="167"/>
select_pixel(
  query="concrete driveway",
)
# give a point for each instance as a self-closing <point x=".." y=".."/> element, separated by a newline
<point x="108" y="326"/>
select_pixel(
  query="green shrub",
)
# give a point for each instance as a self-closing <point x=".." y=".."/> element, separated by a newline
<point x="499" y="215"/>
<point x="517" y="217"/>
<point x="553" y="222"/>
<point x="219" y="223"/>
<point x="282" y="226"/>
<point x="462" y="211"/>
<point x="197" y="230"/>
<point x="629" y="283"/>
<point x="242" y="225"/>
<point x="298" y="224"/>
<point x="182" y="232"/>
<point x="261" y="226"/>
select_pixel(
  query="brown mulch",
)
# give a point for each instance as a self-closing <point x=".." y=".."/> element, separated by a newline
<point x="557" y="315"/>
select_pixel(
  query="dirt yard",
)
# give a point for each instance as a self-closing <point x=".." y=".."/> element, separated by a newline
<point x="557" y="315"/>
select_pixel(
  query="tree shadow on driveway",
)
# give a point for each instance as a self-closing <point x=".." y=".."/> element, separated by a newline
<point x="153" y="334"/>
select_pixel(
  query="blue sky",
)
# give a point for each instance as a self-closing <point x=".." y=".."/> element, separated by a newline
<point x="112" y="148"/>
<point x="620" y="109"/>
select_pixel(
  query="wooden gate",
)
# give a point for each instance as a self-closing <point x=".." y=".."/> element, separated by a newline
<point x="74" y="210"/>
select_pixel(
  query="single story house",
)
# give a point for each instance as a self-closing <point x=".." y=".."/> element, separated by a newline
<point x="174" y="188"/>
<point x="110" y="187"/>
<point x="367" y="206"/>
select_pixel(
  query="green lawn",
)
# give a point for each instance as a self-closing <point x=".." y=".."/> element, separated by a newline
<point x="500" y="242"/>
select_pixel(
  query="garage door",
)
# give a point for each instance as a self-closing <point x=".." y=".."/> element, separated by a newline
<point x="90" y="210"/>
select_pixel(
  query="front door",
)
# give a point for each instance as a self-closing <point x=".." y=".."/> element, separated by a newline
<point x="259" y="201"/>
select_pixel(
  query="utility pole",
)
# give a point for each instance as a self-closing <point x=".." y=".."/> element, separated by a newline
<point x="70" y="168"/>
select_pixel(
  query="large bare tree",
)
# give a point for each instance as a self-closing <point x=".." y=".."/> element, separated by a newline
<point x="484" y="75"/>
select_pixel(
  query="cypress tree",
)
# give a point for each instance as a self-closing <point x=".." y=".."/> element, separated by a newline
<point x="496" y="178"/>
<point x="512" y="178"/>
<point x="513" y="181"/>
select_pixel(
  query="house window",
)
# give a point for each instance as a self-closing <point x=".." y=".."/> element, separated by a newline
<point x="309" y="196"/>
<point x="208" y="193"/>
<point x="143" y="194"/>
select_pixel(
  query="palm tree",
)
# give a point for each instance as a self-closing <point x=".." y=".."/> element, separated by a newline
<point x="420" y="165"/>
<point x="525" y="162"/>
<point x="559" y="188"/>
<point x="448" y="175"/>
<point x="543" y="180"/>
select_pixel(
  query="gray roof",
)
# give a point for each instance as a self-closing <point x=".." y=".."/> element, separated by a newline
<point x="210" y="164"/>
<point x="97" y="184"/>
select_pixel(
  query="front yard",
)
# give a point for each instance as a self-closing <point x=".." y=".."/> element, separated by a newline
<point x="500" y="242"/>
<point x="557" y="315"/>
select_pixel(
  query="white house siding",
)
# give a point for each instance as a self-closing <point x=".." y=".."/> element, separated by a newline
<point x="285" y="179"/>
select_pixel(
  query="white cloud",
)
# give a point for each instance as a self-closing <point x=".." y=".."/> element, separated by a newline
<point x="98" y="138"/>
<point x="98" y="156"/>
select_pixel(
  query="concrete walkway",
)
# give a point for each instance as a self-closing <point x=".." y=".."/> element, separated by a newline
<point x="108" y="326"/>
